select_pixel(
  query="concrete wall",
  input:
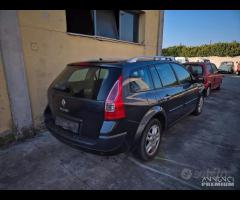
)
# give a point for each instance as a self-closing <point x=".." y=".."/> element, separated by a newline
<point x="217" y="60"/>
<point x="48" y="48"/>
<point x="5" y="113"/>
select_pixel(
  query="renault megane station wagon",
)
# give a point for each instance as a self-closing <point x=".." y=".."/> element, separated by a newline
<point x="115" y="106"/>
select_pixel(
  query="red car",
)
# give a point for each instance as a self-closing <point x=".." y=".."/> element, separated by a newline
<point x="209" y="74"/>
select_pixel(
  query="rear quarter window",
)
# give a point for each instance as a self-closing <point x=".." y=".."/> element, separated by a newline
<point x="139" y="80"/>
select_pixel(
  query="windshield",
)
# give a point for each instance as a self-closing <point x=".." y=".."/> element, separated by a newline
<point x="86" y="82"/>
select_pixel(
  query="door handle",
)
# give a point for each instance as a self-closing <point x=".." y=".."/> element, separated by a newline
<point x="165" y="98"/>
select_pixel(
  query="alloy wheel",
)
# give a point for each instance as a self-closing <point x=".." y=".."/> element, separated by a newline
<point x="200" y="104"/>
<point x="208" y="91"/>
<point x="152" y="140"/>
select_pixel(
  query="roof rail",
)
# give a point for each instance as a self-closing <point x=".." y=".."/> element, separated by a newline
<point x="135" y="59"/>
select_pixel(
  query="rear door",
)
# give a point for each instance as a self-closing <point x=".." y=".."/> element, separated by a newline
<point x="79" y="94"/>
<point x="169" y="94"/>
<point x="140" y="93"/>
<point x="217" y="76"/>
<point x="190" y="90"/>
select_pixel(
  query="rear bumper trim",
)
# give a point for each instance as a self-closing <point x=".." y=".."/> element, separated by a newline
<point x="112" y="136"/>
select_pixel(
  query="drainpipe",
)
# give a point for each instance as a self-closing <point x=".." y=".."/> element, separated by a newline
<point x="160" y="32"/>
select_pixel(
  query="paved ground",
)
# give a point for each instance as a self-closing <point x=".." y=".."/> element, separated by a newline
<point x="194" y="146"/>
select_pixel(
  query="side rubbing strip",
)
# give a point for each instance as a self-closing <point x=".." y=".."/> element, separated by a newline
<point x="176" y="108"/>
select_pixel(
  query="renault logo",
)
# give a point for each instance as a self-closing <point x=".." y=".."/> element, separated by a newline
<point x="63" y="102"/>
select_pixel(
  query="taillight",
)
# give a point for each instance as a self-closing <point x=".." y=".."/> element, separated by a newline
<point x="114" y="108"/>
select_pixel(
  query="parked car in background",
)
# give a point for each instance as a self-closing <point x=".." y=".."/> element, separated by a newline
<point x="203" y="60"/>
<point x="115" y="106"/>
<point x="208" y="73"/>
<point x="226" y="67"/>
<point x="181" y="59"/>
<point x="238" y="68"/>
<point x="170" y="58"/>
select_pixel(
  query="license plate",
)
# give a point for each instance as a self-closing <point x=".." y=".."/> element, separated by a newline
<point x="67" y="124"/>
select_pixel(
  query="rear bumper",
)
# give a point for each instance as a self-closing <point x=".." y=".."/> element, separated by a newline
<point x="111" y="145"/>
<point x="104" y="144"/>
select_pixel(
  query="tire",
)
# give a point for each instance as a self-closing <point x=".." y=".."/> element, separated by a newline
<point x="208" y="91"/>
<point x="199" y="106"/>
<point x="219" y="87"/>
<point x="146" y="140"/>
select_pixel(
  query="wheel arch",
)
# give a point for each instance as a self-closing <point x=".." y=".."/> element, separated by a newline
<point x="155" y="112"/>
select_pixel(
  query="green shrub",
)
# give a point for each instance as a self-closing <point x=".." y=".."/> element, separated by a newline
<point x="218" y="49"/>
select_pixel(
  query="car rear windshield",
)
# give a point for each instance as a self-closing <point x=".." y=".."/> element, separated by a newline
<point x="195" y="69"/>
<point x="87" y="82"/>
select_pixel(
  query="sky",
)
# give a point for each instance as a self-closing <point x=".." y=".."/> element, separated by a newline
<point x="197" y="27"/>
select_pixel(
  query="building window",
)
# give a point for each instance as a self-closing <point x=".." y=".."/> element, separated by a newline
<point x="128" y="26"/>
<point x="80" y="21"/>
<point x="106" y="24"/>
<point x="116" y="24"/>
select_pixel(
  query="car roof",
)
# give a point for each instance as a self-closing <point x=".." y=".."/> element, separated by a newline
<point x="118" y="63"/>
<point x="197" y="63"/>
<point x="110" y="63"/>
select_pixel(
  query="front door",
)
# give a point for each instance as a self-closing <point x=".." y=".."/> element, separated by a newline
<point x="169" y="96"/>
<point x="210" y="76"/>
<point x="217" y="76"/>
<point x="189" y="90"/>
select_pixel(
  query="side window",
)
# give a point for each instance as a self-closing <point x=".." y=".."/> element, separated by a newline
<point x="214" y="68"/>
<point x="182" y="74"/>
<point x="155" y="77"/>
<point x="166" y="74"/>
<point x="209" y="68"/>
<point x="140" y="80"/>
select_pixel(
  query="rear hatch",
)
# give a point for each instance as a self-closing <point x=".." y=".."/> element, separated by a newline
<point x="77" y="98"/>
